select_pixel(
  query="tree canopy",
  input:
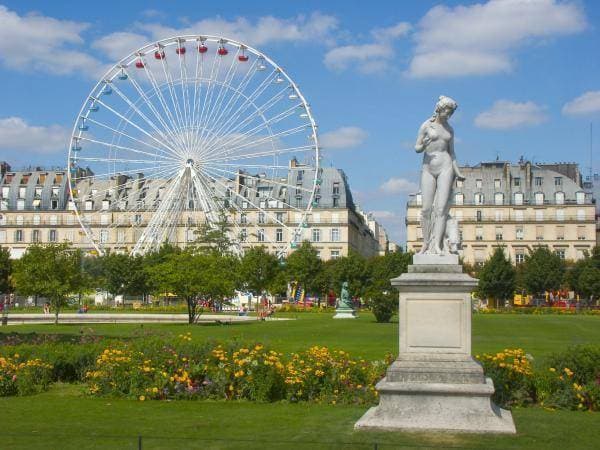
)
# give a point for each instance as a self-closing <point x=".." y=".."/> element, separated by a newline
<point x="497" y="278"/>
<point x="543" y="270"/>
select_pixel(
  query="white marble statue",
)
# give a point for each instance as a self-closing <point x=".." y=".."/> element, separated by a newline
<point x="436" y="142"/>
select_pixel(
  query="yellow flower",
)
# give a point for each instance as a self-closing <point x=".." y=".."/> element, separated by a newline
<point x="155" y="389"/>
<point x="142" y="398"/>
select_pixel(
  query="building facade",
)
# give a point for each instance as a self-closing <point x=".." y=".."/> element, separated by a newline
<point x="35" y="208"/>
<point x="516" y="206"/>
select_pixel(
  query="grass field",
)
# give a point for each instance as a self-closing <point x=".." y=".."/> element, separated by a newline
<point x="65" y="418"/>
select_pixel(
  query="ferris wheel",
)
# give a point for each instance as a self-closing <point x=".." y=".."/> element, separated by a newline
<point x="192" y="130"/>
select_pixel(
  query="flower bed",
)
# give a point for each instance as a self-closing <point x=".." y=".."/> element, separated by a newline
<point x="20" y="376"/>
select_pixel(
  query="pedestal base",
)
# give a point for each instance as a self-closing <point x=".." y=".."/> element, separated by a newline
<point x="437" y="407"/>
<point x="344" y="313"/>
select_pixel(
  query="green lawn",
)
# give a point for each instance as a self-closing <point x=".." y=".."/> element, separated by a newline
<point x="536" y="334"/>
<point x="65" y="418"/>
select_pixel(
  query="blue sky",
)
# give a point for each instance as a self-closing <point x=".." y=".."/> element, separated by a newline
<point x="526" y="76"/>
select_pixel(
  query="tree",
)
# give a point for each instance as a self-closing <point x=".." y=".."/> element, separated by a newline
<point x="258" y="268"/>
<point x="351" y="268"/>
<point x="589" y="282"/>
<point x="382" y="269"/>
<point x="497" y="278"/>
<point x="574" y="271"/>
<point x="542" y="270"/>
<point x="51" y="271"/>
<point x="116" y="273"/>
<point x="5" y="271"/>
<point x="180" y="274"/>
<point x="215" y="236"/>
<point x="304" y="266"/>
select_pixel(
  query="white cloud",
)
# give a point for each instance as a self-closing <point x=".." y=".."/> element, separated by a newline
<point x="587" y="103"/>
<point x="343" y="137"/>
<point x="505" y="114"/>
<point x="479" y="39"/>
<point x="17" y="134"/>
<point x="267" y="29"/>
<point x="384" y="214"/>
<point x="398" y="186"/>
<point x="120" y="44"/>
<point x="39" y="43"/>
<point x="370" y="57"/>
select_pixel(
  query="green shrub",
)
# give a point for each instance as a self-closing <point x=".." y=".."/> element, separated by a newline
<point x="22" y="376"/>
<point x="383" y="306"/>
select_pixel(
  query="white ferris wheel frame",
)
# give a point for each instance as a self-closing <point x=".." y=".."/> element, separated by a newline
<point x="126" y="62"/>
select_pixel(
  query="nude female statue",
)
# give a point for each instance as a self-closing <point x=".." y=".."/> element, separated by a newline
<point x="436" y="141"/>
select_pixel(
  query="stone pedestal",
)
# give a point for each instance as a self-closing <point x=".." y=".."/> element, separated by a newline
<point x="344" y="313"/>
<point x="435" y="384"/>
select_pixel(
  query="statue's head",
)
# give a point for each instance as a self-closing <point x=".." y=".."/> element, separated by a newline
<point x="445" y="107"/>
<point x="345" y="285"/>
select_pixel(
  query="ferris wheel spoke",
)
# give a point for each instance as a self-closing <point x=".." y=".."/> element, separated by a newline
<point x="208" y="96"/>
<point x="169" y="142"/>
<point x="216" y="171"/>
<point x="264" y="139"/>
<point x="230" y="123"/>
<point x="121" y="133"/>
<point x="218" y="104"/>
<point x="265" y="180"/>
<point x="276" y="152"/>
<point x="102" y="193"/>
<point x="107" y="175"/>
<point x="238" y="131"/>
<point x="184" y="79"/>
<point x="174" y="99"/>
<point x="129" y="149"/>
<point x="122" y="117"/>
<point x="164" y="104"/>
<point x="237" y="94"/>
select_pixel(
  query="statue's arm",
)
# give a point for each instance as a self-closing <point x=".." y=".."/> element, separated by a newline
<point x="457" y="172"/>
<point x="422" y="139"/>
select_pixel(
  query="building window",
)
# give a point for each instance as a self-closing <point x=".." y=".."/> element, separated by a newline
<point x="336" y="202"/>
<point x="479" y="215"/>
<point x="20" y="204"/>
<point x="137" y="219"/>
<point x="499" y="198"/>
<point x="36" y="219"/>
<point x="459" y="183"/>
<point x="519" y="258"/>
<point x="3" y="205"/>
<point x="539" y="181"/>
<point x="580" y="198"/>
<point x="335" y="235"/>
<point x="104" y="236"/>
<point x="478" y="183"/>
<point x="53" y="204"/>
<point x="539" y="198"/>
<point x="336" y="188"/>
<point x="243" y="218"/>
<point x="2" y="236"/>
<point x="539" y="215"/>
<point x="459" y="199"/>
<point x="519" y="215"/>
<point x="3" y="220"/>
<point x="53" y="220"/>
<point x="279" y="217"/>
<point x="499" y="234"/>
<point x="18" y="235"/>
<point x="335" y="218"/>
<point x="419" y="233"/>
<point x="52" y="236"/>
<point x="560" y="214"/>
<point x="105" y="204"/>
<point x="560" y="252"/>
<point x="479" y="234"/>
<point x="479" y="198"/>
<point x="539" y="233"/>
<point x="22" y="192"/>
<point x="261" y="235"/>
<point x="120" y="236"/>
<point x="261" y="217"/>
<point x="581" y="233"/>
<point x="479" y="257"/>
<point x="243" y="235"/>
<point x="519" y="233"/>
<point x="558" y="181"/>
<point x="559" y="198"/>
<point x="581" y="214"/>
<point x="335" y="254"/>
<point x="5" y="191"/>
<point x="190" y="235"/>
<point x="19" y="220"/>
<point x="279" y="235"/>
<point x="518" y="198"/>
<point x="35" y="236"/>
<point x="316" y="235"/>
<point x="499" y="215"/>
<point x="497" y="183"/>
<point x="418" y="199"/>
<point x="560" y="233"/>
